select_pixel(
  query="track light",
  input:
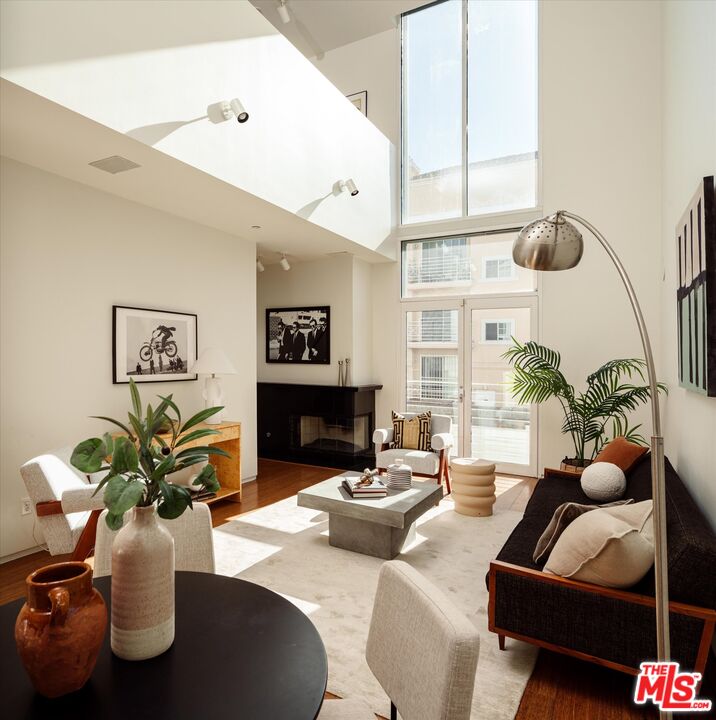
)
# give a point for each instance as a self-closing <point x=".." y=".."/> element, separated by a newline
<point x="236" y="108"/>
<point x="259" y="265"/>
<point x="284" y="262"/>
<point x="283" y="12"/>
<point x="349" y="186"/>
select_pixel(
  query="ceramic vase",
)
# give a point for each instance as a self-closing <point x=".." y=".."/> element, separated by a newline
<point x="142" y="587"/>
<point x="473" y="486"/>
<point x="60" y="629"/>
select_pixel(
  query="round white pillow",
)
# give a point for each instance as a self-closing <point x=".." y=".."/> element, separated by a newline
<point x="603" y="481"/>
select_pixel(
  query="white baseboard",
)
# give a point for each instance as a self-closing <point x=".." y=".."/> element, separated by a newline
<point x="22" y="553"/>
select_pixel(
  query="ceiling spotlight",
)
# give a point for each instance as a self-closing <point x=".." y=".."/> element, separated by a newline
<point x="284" y="262"/>
<point x="237" y="109"/>
<point x="283" y="12"/>
<point x="349" y="186"/>
<point x="259" y="265"/>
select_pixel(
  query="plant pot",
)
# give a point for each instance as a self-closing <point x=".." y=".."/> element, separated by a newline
<point x="60" y="629"/>
<point x="572" y="465"/>
<point x="142" y="587"/>
<point x="473" y="486"/>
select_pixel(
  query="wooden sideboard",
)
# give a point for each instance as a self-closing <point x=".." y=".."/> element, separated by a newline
<point x="228" y="470"/>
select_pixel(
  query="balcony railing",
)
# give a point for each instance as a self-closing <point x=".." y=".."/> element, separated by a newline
<point x="432" y="330"/>
<point x="449" y="268"/>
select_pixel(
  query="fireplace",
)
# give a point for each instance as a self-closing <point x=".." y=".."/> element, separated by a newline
<point x="332" y="434"/>
<point x="317" y="424"/>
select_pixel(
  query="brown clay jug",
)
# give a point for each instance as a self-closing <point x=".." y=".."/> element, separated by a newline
<point x="60" y="628"/>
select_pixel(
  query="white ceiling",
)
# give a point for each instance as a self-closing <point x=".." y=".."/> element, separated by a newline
<point x="320" y="25"/>
<point x="38" y="132"/>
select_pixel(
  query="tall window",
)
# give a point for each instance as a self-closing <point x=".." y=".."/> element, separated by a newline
<point x="469" y="109"/>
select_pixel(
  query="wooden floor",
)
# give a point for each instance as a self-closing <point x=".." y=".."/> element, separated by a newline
<point x="561" y="688"/>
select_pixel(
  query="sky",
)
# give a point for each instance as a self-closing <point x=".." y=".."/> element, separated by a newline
<point x="502" y="81"/>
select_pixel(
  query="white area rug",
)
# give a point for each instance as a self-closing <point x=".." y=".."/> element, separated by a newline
<point x="285" y="548"/>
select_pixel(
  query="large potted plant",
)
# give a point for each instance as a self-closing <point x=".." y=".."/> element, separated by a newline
<point x="592" y="417"/>
<point x="137" y="465"/>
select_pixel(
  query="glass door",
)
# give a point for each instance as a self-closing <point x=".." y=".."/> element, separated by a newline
<point x="433" y="360"/>
<point x="496" y="426"/>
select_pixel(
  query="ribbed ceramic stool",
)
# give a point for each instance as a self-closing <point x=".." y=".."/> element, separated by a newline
<point x="473" y="486"/>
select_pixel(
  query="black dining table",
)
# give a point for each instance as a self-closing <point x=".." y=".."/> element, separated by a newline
<point x="240" y="651"/>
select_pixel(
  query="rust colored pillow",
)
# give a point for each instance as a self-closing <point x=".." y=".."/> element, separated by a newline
<point x="622" y="453"/>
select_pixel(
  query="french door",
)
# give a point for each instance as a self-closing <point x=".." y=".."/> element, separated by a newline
<point x="453" y="366"/>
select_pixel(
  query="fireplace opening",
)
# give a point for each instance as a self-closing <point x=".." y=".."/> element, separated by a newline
<point x="331" y="434"/>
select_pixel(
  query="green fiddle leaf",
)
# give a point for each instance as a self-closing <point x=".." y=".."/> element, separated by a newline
<point x="122" y="495"/>
<point x="200" y="417"/>
<point x="207" y="478"/>
<point x="89" y="455"/>
<point x="114" y="522"/>
<point x="175" y="501"/>
<point x="108" y="441"/>
<point x="125" y="458"/>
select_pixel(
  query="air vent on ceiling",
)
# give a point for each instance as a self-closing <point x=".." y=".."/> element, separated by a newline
<point x="115" y="164"/>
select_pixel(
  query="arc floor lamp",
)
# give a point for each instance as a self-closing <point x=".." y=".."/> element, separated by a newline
<point x="554" y="243"/>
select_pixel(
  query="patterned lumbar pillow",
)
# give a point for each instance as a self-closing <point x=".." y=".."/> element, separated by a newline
<point x="612" y="546"/>
<point x="413" y="433"/>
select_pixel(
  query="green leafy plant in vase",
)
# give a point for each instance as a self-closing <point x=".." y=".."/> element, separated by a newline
<point x="138" y="465"/>
<point x="608" y="399"/>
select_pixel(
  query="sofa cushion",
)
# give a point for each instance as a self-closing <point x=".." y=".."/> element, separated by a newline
<point x="613" y="547"/>
<point x="425" y="463"/>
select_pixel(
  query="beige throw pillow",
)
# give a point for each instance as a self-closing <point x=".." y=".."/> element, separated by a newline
<point x="613" y="547"/>
<point x="412" y="434"/>
<point x="565" y="514"/>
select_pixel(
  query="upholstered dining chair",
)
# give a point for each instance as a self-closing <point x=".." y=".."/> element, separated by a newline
<point x="421" y="649"/>
<point x="193" y="541"/>
<point x="433" y="464"/>
<point x="64" y="502"/>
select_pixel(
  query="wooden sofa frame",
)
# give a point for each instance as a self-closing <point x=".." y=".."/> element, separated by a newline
<point x="707" y="616"/>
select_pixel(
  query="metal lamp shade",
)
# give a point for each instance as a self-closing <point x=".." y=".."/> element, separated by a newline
<point x="551" y="243"/>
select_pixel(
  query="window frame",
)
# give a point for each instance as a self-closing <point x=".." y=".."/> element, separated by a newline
<point x="464" y="223"/>
<point x="499" y="278"/>
<point x="497" y="321"/>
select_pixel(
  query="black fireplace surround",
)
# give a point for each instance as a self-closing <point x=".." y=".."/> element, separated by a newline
<point x="323" y="425"/>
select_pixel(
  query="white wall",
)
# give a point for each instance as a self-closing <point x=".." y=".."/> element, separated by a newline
<point x="372" y="64"/>
<point x="124" y="65"/>
<point x="339" y="281"/>
<point x="600" y="100"/>
<point x="67" y="254"/>
<point x="689" y="153"/>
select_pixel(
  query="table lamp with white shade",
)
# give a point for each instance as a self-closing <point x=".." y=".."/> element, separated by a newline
<point x="213" y="362"/>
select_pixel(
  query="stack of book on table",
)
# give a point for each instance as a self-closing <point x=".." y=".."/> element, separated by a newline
<point x="376" y="489"/>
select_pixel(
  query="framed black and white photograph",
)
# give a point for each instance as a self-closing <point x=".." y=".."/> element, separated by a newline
<point x="360" y="100"/>
<point x="299" y="335"/>
<point x="152" y="345"/>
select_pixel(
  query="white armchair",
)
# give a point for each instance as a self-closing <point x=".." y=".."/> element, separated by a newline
<point x="65" y="505"/>
<point x="423" y="464"/>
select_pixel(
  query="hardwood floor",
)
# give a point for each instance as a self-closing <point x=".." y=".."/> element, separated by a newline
<point x="561" y="688"/>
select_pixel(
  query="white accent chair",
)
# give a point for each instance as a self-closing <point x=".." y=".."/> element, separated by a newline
<point x="423" y="464"/>
<point x="421" y="649"/>
<point x="193" y="541"/>
<point x="66" y="510"/>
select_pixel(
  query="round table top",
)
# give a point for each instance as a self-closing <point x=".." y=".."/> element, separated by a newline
<point x="240" y="651"/>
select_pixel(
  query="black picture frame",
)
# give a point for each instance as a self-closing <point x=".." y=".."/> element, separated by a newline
<point x="145" y="355"/>
<point x="316" y="350"/>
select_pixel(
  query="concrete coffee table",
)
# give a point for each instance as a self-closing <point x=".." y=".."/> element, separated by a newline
<point x="378" y="526"/>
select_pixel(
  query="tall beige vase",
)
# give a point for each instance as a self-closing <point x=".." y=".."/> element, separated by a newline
<point x="142" y="587"/>
<point x="473" y="486"/>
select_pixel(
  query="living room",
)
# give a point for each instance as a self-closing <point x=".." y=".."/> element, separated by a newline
<point x="364" y="243"/>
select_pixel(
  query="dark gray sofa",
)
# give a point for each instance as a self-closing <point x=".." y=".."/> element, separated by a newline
<point x="611" y="627"/>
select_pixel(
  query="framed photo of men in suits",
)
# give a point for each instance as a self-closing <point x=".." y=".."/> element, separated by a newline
<point x="299" y="335"/>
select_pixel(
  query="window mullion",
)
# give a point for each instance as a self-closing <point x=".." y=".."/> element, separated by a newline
<point x="464" y="110"/>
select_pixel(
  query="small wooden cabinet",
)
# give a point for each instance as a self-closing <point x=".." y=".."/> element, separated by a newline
<point x="228" y="470"/>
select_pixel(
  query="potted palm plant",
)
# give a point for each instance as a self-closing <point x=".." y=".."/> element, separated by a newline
<point x="607" y="401"/>
<point x="138" y="464"/>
